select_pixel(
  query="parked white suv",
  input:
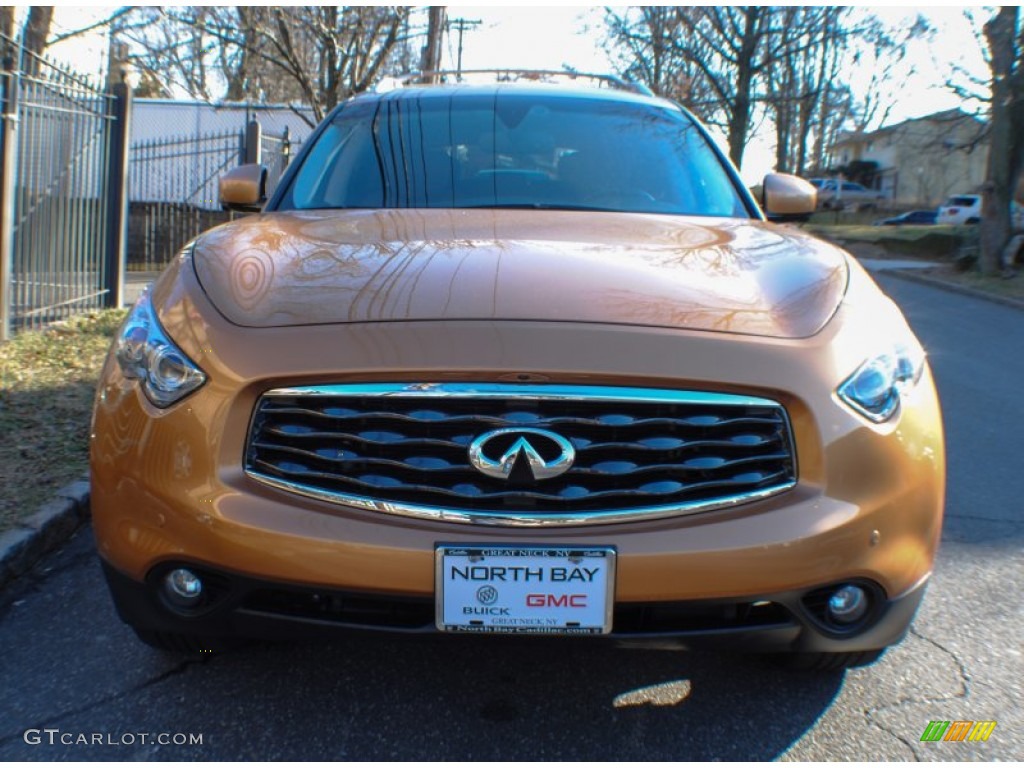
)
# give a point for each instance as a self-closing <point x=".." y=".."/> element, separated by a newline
<point x="960" y="209"/>
<point x="966" y="209"/>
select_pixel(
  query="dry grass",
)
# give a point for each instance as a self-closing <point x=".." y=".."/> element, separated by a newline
<point x="936" y="242"/>
<point x="47" y="380"/>
<point x="1010" y="287"/>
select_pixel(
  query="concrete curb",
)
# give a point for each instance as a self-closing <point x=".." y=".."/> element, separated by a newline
<point x="50" y="527"/>
<point x="912" y="276"/>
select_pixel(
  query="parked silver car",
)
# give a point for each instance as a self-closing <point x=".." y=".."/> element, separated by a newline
<point x="849" y="195"/>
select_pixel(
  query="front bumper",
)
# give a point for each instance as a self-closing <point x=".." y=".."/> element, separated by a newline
<point x="240" y="606"/>
<point x="168" y="485"/>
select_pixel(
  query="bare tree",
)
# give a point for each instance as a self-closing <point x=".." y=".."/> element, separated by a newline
<point x="882" y="51"/>
<point x="800" y="83"/>
<point x="110" y="20"/>
<point x="1004" y="34"/>
<point x="37" y="29"/>
<point x="431" y="58"/>
<point x="1001" y="95"/>
<point x="7" y="20"/>
<point x="33" y="33"/>
<point x="836" y="112"/>
<point x="729" y="47"/>
<point x="172" y="48"/>
<point x="643" y="40"/>
<point x="745" y="61"/>
<point x="318" y="55"/>
<point x="725" y="53"/>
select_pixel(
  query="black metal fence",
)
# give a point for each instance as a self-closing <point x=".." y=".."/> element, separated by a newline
<point x="173" y="193"/>
<point x="173" y="187"/>
<point x="78" y="206"/>
<point x="276" y="154"/>
<point x="61" y="202"/>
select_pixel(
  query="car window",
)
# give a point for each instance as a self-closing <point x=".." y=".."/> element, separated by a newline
<point x="513" y="150"/>
<point x="963" y="201"/>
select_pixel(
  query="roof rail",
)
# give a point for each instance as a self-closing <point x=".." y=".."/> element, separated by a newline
<point x="434" y="77"/>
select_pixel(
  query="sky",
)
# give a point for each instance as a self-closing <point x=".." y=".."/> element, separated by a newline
<point x="551" y="37"/>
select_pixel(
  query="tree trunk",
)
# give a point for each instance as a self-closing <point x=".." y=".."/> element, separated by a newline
<point x="739" y="120"/>
<point x="37" y="30"/>
<point x="803" y="132"/>
<point x="7" y="20"/>
<point x="1000" y="180"/>
<point x="783" y="125"/>
<point x="240" y="80"/>
<point x="7" y="30"/>
<point x="432" y="50"/>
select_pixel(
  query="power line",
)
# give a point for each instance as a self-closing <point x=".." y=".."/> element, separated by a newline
<point x="462" y="25"/>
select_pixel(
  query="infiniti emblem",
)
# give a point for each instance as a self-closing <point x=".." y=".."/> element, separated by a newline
<point x="518" y="445"/>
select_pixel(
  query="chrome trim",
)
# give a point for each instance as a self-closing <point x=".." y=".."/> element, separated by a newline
<point x="533" y="392"/>
<point x="525" y="391"/>
<point x="539" y="468"/>
<point x="512" y="519"/>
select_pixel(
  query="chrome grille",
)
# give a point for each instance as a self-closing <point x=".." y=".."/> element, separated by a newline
<point x="403" y="449"/>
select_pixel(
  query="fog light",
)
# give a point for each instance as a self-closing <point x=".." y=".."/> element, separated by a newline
<point x="848" y="604"/>
<point x="183" y="588"/>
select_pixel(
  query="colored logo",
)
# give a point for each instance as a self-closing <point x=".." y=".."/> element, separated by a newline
<point x="958" y="730"/>
<point x="542" y="454"/>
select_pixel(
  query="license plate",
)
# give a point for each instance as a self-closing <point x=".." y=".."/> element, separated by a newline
<point x="525" y="590"/>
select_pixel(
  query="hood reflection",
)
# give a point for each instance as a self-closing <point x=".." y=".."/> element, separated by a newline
<point x="726" y="275"/>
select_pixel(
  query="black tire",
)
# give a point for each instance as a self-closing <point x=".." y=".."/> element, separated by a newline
<point x="830" y="662"/>
<point x="185" y="645"/>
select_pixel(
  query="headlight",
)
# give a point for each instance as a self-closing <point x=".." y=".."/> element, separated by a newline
<point x="875" y="389"/>
<point x="145" y="353"/>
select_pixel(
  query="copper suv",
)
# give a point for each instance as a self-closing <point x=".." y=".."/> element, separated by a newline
<point x="517" y="359"/>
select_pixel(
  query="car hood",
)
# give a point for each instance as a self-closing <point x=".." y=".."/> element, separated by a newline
<point x="357" y="266"/>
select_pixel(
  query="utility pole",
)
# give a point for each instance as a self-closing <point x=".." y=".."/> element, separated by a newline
<point x="431" y="59"/>
<point x="462" y="25"/>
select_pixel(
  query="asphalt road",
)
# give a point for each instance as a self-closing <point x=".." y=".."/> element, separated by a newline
<point x="69" y="669"/>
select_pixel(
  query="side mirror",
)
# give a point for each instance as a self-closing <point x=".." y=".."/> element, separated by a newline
<point x="788" y="198"/>
<point x="244" y="188"/>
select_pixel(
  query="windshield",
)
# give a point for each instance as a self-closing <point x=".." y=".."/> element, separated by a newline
<point x="513" y="150"/>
